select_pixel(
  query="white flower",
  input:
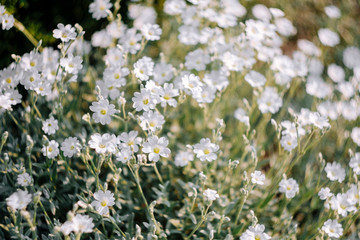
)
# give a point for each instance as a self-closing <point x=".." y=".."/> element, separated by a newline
<point x="99" y="8"/>
<point x="151" y="32"/>
<point x="319" y="121"/>
<point x="103" y="143"/>
<point x="341" y="204"/>
<point x="130" y="41"/>
<point x="255" y="79"/>
<point x="144" y="68"/>
<point x="325" y="193"/>
<point x="64" y="33"/>
<point x="144" y="100"/>
<point x="258" y="177"/>
<point x="183" y="158"/>
<point x="351" y="57"/>
<point x="270" y="101"/>
<point x="332" y="228"/>
<point x="255" y="233"/>
<point x="193" y="84"/>
<point x="103" y="200"/>
<point x="19" y="199"/>
<point x="336" y="73"/>
<point x="130" y="140"/>
<point x="166" y="95"/>
<point x="332" y="11"/>
<point x="285" y="27"/>
<point x="151" y="120"/>
<point x="31" y="62"/>
<point x="71" y="64"/>
<point x="206" y="150"/>
<point x="335" y="172"/>
<point x="103" y="111"/>
<point x="79" y="224"/>
<point x="240" y="115"/>
<point x="211" y="195"/>
<point x="355" y="135"/>
<point x="289" y="187"/>
<point x="353" y="195"/>
<point x="328" y="37"/>
<point x="7" y="21"/>
<point x="24" y="179"/>
<point x="197" y="60"/>
<point x="124" y="155"/>
<point x="52" y="150"/>
<point x="50" y="125"/>
<point x="163" y="72"/>
<point x="289" y="128"/>
<point x="156" y="147"/>
<point x="288" y="142"/>
<point x="174" y="7"/>
<point x="355" y="163"/>
<point x="70" y="146"/>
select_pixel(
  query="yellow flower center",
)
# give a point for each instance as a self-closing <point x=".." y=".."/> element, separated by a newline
<point x="206" y="151"/>
<point x="152" y="124"/>
<point x="141" y="71"/>
<point x="103" y="112"/>
<point x="289" y="143"/>
<point x="41" y="88"/>
<point x="156" y="150"/>
<point x="64" y="35"/>
<point x="163" y="74"/>
<point x="71" y="65"/>
<point x="103" y="203"/>
<point x="288" y="188"/>
<point x="101" y="146"/>
<point x="32" y="79"/>
<point x="117" y="76"/>
<point x="130" y="143"/>
<point x="50" y="149"/>
<point x="32" y="63"/>
<point x="146" y="101"/>
<point x="72" y="148"/>
<point x="167" y="97"/>
<point x="8" y="80"/>
<point x="257" y="237"/>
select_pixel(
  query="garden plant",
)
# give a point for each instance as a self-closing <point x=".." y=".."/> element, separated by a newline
<point x="197" y="119"/>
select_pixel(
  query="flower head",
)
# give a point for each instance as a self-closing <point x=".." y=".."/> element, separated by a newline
<point x="24" y="179"/>
<point x="64" y="33"/>
<point x="289" y="187"/>
<point x="332" y="228"/>
<point x="103" y="200"/>
<point x="206" y="150"/>
<point x="19" y="199"/>
<point x="156" y="147"/>
<point x="211" y="195"/>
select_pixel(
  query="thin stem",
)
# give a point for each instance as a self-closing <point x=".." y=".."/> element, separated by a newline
<point x="203" y="218"/>
<point x="158" y="174"/>
<point x="151" y="214"/>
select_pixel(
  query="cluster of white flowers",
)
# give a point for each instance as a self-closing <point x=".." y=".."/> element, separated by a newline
<point x="136" y="115"/>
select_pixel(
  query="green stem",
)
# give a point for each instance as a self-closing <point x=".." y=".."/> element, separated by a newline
<point x="203" y="218"/>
